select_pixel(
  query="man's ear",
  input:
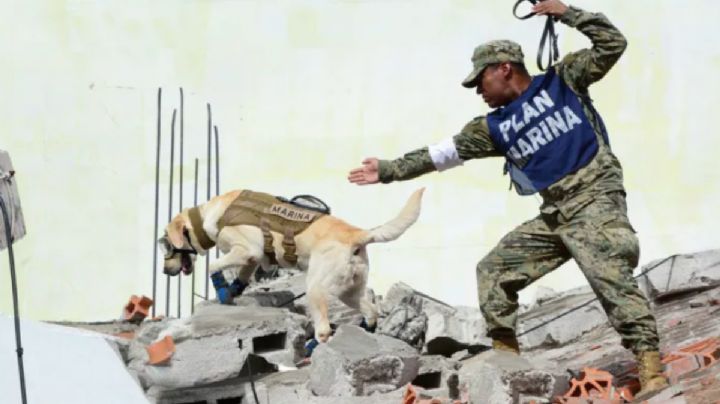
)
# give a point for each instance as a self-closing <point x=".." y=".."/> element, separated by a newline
<point x="175" y="232"/>
<point x="506" y="69"/>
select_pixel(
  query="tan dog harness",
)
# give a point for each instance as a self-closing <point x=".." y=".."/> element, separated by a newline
<point x="269" y="214"/>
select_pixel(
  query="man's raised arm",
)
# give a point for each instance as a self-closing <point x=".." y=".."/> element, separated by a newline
<point x="584" y="67"/>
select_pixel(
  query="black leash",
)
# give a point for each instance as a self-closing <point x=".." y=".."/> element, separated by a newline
<point x="292" y="300"/>
<point x="544" y="323"/>
<point x="250" y="374"/>
<point x="549" y="37"/>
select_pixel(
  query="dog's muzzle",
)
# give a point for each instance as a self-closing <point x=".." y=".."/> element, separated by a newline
<point x="170" y="253"/>
<point x="187" y="263"/>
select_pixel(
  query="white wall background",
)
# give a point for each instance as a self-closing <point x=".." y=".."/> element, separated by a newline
<point x="302" y="90"/>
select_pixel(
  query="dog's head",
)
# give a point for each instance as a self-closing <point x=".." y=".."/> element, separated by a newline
<point x="177" y="248"/>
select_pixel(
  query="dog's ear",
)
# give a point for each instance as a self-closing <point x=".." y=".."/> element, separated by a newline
<point x="175" y="232"/>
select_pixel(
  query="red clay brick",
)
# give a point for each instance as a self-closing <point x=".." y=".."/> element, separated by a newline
<point x="680" y="366"/>
<point x="160" y="352"/>
<point x="137" y="308"/>
<point x="595" y="385"/>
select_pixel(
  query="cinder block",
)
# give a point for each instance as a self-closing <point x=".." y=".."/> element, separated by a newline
<point x="137" y="308"/>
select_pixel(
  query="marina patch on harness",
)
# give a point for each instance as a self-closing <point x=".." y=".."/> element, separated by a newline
<point x="288" y="212"/>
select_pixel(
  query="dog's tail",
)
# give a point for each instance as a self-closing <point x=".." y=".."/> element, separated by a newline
<point x="397" y="226"/>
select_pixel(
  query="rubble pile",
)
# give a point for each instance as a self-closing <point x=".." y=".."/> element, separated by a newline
<point x="423" y="350"/>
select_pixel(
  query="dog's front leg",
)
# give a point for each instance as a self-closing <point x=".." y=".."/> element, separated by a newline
<point x="318" y="305"/>
<point x="236" y="257"/>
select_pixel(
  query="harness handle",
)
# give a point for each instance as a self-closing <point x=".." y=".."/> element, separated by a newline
<point x="549" y="37"/>
<point x="317" y="204"/>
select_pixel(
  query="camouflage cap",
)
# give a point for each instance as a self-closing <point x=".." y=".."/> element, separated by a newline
<point x="497" y="51"/>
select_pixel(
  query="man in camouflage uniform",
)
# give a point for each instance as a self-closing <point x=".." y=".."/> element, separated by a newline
<point x="554" y="143"/>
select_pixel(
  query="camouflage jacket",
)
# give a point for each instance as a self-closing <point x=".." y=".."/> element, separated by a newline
<point x="578" y="69"/>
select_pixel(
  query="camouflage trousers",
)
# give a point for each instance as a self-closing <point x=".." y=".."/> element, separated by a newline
<point x="602" y="242"/>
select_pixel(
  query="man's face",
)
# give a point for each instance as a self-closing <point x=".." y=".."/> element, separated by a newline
<point x="494" y="85"/>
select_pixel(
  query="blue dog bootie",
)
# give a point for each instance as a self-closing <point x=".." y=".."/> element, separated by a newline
<point x="237" y="287"/>
<point x="222" y="289"/>
<point x="310" y="346"/>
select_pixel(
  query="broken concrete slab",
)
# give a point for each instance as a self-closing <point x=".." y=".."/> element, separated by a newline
<point x="289" y="283"/>
<point x="711" y="298"/>
<point x="283" y="290"/>
<point x="566" y="328"/>
<point x="681" y="274"/>
<point x="215" y="343"/>
<point x="464" y="325"/>
<point x="496" y="377"/>
<point x="63" y="365"/>
<point x="544" y="295"/>
<point x="292" y="388"/>
<point x="231" y="390"/>
<point x="405" y="322"/>
<point x="355" y="363"/>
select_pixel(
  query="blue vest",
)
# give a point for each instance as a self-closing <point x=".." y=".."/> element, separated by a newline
<point x="544" y="134"/>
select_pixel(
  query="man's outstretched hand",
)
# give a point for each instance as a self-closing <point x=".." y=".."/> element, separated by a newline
<point x="367" y="174"/>
<point x="555" y="8"/>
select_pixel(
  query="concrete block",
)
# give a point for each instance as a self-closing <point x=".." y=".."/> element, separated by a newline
<point x="496" y="377"/>
<point x="438" y="376"/>
<point x="292" y="388"/>
<point x="355" y="363"/>
<point x="564" y="329"/>
<point x="215" y="343"/>
<point x="465" y="325"/>
<point x="405" y="321"/>
<point x="681" y="273"/>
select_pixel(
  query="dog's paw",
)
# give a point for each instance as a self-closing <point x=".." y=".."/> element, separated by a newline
<point x="237" y="287"/>
<point x="367" y="327"/>
<point x="323" y="333"/>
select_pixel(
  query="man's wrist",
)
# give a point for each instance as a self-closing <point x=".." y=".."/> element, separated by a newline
<point x="570" y="16"/>
<point x="385" y="171"/>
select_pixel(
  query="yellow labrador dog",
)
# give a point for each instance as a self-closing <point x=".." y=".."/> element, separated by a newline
<point x="332" y="252"/>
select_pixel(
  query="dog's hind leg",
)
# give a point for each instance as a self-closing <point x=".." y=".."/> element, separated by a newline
<point x="360" y="302"/>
